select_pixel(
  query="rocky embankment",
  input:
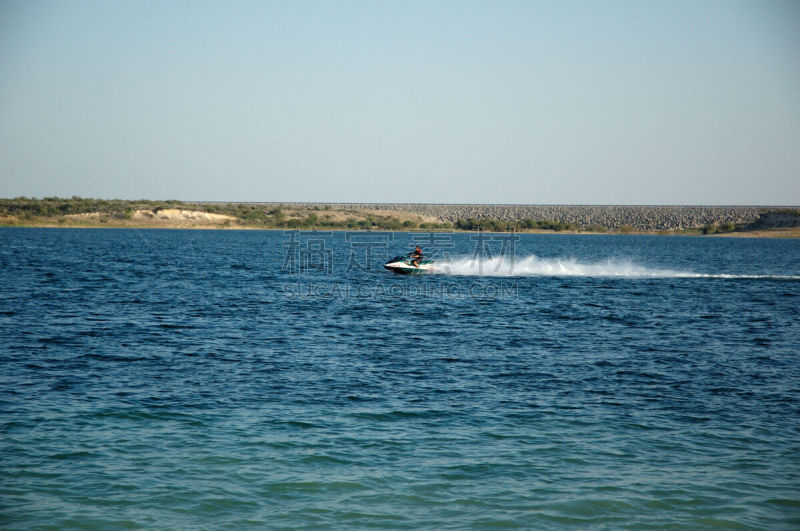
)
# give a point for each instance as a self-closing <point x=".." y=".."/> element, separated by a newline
<point x="646" y="218"/>
<point x="777" y="219"/>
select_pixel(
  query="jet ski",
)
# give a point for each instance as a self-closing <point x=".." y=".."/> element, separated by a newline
<point x="403" y="265"/>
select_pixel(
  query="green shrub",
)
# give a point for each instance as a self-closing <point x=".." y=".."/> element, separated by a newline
<point x="595" y="228"/>
<point x="727" y="227"/>
<point x="255" y="217"/>
<point x="709" y="229"/>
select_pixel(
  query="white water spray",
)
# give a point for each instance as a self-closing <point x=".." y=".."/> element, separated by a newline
<point x="530" y="266"/>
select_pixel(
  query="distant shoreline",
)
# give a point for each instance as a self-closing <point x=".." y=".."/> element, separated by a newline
<point x="777" y="232"/>
<point x="740" y="221"/>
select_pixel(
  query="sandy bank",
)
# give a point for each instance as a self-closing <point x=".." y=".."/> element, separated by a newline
<point x="183" y="216"/>
<point x="173" y="217"/>
<point x="779" y="232"/>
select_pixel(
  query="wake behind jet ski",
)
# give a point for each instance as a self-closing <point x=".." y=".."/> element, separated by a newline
<point x="409" y="264"/>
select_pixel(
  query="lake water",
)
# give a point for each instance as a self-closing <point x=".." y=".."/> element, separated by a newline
<point x="203" y="379"/>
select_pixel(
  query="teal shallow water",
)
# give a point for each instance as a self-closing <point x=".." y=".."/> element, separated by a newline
<point x="188" y="379"/>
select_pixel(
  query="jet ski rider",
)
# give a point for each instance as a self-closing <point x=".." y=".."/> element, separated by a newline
<point x="416" y="256"/>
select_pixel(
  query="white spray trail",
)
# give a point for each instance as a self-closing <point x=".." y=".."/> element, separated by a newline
<point x="532" y="265"/>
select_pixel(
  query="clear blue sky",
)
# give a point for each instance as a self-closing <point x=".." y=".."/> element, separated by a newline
<point x="594" y="102"/>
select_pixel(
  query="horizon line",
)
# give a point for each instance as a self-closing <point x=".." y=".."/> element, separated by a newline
<point x="198" y="201"/>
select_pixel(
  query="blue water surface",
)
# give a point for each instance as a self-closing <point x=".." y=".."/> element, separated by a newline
<point x="203" y="379"/>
